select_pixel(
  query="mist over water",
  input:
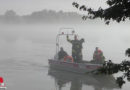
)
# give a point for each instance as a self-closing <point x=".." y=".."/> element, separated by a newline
<point x="26" y="48"/>
<point x="112" y="39"/>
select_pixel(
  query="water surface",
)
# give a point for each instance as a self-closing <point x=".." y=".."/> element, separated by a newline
<point x="25" y="50"/>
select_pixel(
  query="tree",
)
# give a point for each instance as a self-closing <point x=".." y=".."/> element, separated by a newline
<point x="10" y="13"/>
<point x="10" y="16"/>
<point x="118" y="10"/>
<point x="128" y="52"/>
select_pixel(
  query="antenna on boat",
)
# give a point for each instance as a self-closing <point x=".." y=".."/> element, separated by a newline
<point x="61" y="33"/>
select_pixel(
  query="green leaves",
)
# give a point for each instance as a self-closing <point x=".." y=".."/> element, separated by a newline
<point x="127" y="53"/>
<point x="118" y="10"/>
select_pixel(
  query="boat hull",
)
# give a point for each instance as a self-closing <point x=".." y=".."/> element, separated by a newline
<point x="74" y="67"/>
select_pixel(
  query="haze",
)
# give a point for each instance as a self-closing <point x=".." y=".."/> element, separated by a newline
<point x="23" y="7"/>
<point x="28" y="39"/>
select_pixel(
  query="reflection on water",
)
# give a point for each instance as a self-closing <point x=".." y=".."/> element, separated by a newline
<point x="77" y="81"/>
<point x="25" y="50"/>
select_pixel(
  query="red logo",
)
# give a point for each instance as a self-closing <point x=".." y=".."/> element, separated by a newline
<point x="2" y="84"/>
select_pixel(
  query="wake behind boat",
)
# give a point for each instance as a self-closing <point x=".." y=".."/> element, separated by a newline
<point x="72" y="63"/>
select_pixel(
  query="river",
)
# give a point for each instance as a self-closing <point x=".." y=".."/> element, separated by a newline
<point x="25" y="50"/>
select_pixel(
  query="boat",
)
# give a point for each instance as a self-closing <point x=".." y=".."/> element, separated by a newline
<point x="69" y="64"/>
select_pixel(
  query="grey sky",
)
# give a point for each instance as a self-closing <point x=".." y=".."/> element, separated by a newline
<point x="28" y="6"/>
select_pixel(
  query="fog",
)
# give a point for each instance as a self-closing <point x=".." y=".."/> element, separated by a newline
<point x="26" y="48"/>
<point x="28" y="30"/>
<point x="28" y="6"/>
<point x="113" y="39"/>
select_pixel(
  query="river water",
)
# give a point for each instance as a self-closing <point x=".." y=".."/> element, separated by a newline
<point x="25" y="50"/>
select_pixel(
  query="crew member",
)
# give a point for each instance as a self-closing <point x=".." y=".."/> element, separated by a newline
<point x="61" y="53"/>
<point x="98" y="55"/>
<point x="76" y="48"/>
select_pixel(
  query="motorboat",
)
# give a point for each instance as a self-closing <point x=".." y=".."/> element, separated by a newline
<point x="68" y="64"/>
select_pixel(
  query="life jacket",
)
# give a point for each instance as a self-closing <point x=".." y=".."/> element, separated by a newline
<point x="98" y="55"/>
<point x="69" y="57"/>
<point x="99" y="52"/>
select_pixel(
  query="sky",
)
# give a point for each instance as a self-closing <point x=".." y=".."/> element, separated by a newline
<point x="23" y="7"/>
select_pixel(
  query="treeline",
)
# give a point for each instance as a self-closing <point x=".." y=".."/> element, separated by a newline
<point x="44" y="16"/>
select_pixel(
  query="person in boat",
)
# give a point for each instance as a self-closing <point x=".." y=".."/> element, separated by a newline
<point x="98" y="56"/>
<point x="62" y="53"/>
<point x="76" y="48"/>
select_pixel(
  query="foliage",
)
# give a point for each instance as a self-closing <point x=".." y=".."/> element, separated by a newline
<point x="118" y="10"/>
<point x="110" y="68"/>
<point x="128" y="52"/>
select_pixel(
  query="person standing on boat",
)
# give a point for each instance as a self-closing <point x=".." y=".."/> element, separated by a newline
<point x="62" y="53"/>
<point x="76" y="48"/>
